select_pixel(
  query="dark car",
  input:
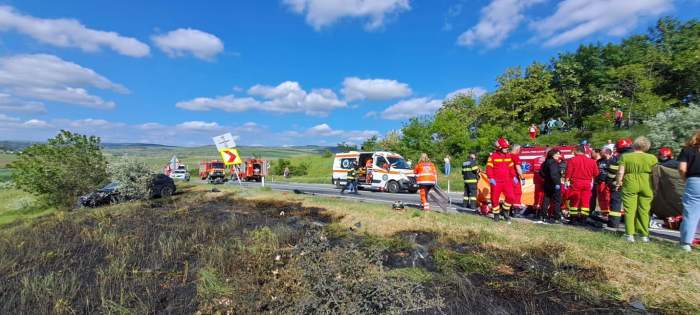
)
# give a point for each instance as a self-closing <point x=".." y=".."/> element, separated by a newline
<point x="161" y="186"/>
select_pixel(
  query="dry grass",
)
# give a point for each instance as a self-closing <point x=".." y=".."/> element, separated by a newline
<point x="657" y="273"/>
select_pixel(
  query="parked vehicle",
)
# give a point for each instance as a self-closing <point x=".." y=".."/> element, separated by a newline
<point x="214" y="171"/>
<point x="180" y="174"/>
<point x="388" y="171"/>
<point x="251" y="170"/>
<point x="161" y="186"/>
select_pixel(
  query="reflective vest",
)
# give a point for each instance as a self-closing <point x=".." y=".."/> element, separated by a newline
<point x="351" y="174"/>
<point x="426" y="174"/>
<point x="470" y="172"/>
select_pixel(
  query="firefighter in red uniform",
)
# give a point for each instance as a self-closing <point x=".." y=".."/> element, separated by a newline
<point x="519" y="179"/>
<point x="539" y="182"/>
<point x="426" y="178"/>
<point x="580" y="172"/>
<point x="500" y="170"/>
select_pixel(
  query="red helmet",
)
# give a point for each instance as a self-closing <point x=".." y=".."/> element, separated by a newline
<point x="624" y="143"/>
<point x="502" y="143"/>
<point x="666" y="153"/>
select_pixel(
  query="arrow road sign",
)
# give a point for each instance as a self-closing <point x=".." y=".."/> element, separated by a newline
<point x="230" y="156"/>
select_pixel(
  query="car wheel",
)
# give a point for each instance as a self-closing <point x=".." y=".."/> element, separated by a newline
<point x="393" y="187"/>
<point x="166" y="191"/>
<point x="337" y="183"/>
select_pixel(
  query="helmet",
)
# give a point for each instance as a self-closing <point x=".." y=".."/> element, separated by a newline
<point x="624" y="143"/>
<point x="666" y="152"/>
<point x="584" y="142"/>
<point x="502" y="143"/>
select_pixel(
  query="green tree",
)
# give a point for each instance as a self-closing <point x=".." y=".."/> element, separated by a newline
<point x="345" y="147"/>
<point x="391" y="141"/>
<point x="370" y="144"/>
<point x="134" y="178"/>
<point x="673" y="127"/>
<point x="68" y="166"/>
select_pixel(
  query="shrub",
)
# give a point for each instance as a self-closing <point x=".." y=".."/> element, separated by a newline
<point x="134" y="178"/>
<point x="279" y="165"/>
<point x="673" y="127"/>
<point x="59" y="171"/>
<point x="327" y="153"/>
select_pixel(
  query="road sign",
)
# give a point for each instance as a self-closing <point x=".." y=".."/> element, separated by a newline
<point x="231" y="156"/>
<point x="224" y="141"/>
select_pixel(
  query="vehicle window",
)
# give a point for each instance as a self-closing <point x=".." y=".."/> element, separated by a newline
<point x="112" y="185"/>
<point x="217" y="165"/>
<point x="399" y="163"/>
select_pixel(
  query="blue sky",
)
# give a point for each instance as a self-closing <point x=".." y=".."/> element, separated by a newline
<point x="287" y="72"/>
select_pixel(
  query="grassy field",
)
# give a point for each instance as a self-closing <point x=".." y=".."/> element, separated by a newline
<point x="16" y="205"/>
<point x="256" y="250"/>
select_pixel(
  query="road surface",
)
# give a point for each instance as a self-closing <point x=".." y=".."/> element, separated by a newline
<point x="410" y="200"/>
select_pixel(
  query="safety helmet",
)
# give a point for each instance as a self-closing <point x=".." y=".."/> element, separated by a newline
<point x="666" y="152"/>
<point x="502" y="143"/>
<point x="624" y="143"/>
<point x="584" y="142"/>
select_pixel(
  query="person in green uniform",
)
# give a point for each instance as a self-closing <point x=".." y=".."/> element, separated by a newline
<point x="634" y="176"/>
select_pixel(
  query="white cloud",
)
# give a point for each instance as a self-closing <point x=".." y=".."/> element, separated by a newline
<point x="69" y="33"/>
<point x="414" y="107"/>
<point x="11" y="104"/>
<point x="322" y="13"/>
<point x="36" y="123"/>
<point x="323" y="130"/>
<point x="498" y="20"/>
<point x="150" y="126"/>
<point x="50" y="78"/>
<point x="92" y="123"/>
<point x="374" y="89"/>
<point x="577" y="19"/>
<point x="228" y="103"/>
<point x="184" y="41"/>
<point x="476" y="91"/>
<point x="199" y="126"/>
<point x="6" y="118"/>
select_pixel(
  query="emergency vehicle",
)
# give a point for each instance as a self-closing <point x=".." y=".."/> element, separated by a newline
<point x="530" y="160"/>
<point x="388" y="171"/>
<point x="214" y="171"/>
<point x="251" y="170"/>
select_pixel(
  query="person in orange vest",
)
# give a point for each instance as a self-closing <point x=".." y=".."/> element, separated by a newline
<point x="426" y="178"/>
<point x="368" y="171"/>
<point x="580" y="172"/>
<point x="619" y="116"/>
<point x="519" y="180"/>
<point x="500" y="170"/>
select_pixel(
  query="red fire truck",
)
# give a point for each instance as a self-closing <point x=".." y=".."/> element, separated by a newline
<point x="251" y="170"/>
<point x="214" y="171"/>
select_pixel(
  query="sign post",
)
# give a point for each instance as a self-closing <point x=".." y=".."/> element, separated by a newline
<point x="448" y="169"/>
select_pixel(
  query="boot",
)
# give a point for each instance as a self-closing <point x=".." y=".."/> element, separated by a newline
<point x="614" y="222"/>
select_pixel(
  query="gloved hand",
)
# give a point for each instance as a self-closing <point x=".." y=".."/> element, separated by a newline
<point x="557" y="187"/>
<point x="515" y="180"/>
<point x="492" y="181"/>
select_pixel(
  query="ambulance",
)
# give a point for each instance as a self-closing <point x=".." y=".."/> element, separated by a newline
<point x="388" y="171"/>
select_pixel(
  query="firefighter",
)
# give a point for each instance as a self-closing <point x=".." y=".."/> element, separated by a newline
<point x="665" y="156"/>
<point x="351" y="178"/>
<point x="602" y="189"/>
<point x="519" y="179"/>
<point x="470" y="174"/>
<point x="426" y="178"/>
<point x="622" y="146"/>
<point x="539" y="182"/>
<point x="580" y="172"/>
<point x="500" y="170"/>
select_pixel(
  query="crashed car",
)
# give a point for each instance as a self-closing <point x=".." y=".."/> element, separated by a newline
<point x="161" y="186"/>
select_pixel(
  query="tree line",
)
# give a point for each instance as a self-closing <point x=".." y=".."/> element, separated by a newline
<point x="643" y="75"/>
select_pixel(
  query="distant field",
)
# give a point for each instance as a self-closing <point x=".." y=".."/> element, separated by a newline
<point x="6" y="159"/>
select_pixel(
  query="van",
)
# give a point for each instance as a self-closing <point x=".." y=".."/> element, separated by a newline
<point x="388" y="171"/>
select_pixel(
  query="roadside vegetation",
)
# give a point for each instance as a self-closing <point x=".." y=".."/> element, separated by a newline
<point x="254" y="251"/>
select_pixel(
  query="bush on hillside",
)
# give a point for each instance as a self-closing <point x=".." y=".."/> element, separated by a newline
<point x="673" y="127"/>
<point x="294" y="170"/>
<point x="59" y="171"/>
<point x="134" y="178"/>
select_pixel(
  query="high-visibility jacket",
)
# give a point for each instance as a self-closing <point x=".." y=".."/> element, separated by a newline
<point x="581" y="168"/>
<point x="500" y="166"/>
<point x="470" y="172"/>
<point x="426" y="173"/>
<point x="352" y="173"/>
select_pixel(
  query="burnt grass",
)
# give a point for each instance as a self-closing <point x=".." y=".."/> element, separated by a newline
<point x="201" y="253"/>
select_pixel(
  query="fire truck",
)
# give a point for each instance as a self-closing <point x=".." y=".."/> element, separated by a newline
<point x="214" y="171"/>
<point x="251" y="170"/>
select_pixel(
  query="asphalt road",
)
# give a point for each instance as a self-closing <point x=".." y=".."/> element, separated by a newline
<point x="411" y="200"/>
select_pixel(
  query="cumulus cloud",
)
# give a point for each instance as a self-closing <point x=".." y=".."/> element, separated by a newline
<point x="69" y="33"/>
<point x="35" y="123"/>
<point x="414" y="107"/>
<point x="498" y="20"/>
<point x="228" y="103"/>
<point x="322" y="13"/>
<point x="50" y="78"/>
<point x="187" y="41"/>
<point x="476" y="92"/>
<point x="374" y="89"/>
<point x="577" y="19"/>
<point x="6" y="118"/>
<point x="199" y="126"/>
<point x="324" y="130"/>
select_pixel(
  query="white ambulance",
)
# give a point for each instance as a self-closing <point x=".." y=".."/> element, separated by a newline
<point x="388" y="171"/>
